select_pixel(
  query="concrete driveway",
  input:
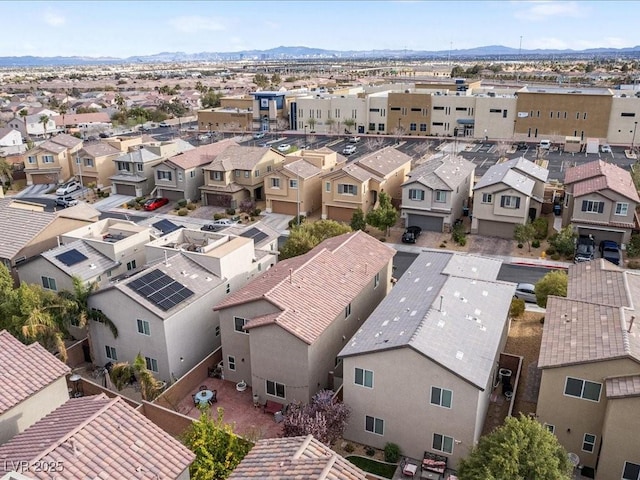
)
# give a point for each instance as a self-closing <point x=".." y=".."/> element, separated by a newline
<point x="489" y="245"/>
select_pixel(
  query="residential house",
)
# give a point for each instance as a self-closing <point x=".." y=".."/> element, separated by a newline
<point x="50" y="162"/>
<point x="82" y="121"/>
<point x="601" y="200"/>
<point x="237" y="174"/>
<point x="508" y="194"/>
<point x="181" y="176"/>
<point x="11" y="142"/>
<point x="437" y="193"/>
<point x="74" y="440"/>
<point x="358" y="185"/>
<point x="590" y="361"/>
<point x="165" y="311"/>
<point x="94" y="164"/>
<point x="422" y="368"/>
<point x="33" y="385"/>
<point x="32" y="125"/>
<point x="294" y="457"/>
<point x="281" y="333"/>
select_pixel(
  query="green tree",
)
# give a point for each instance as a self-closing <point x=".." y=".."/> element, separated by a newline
<point x="553" y="283"/>
<point x="276" y="79"/>
<point x="384" y="216"/>
<point x="357" y="220"/>
<point x="23" y="114"/>
<point x="211" y="99"/>
<point x="261" y="80"/>
<point x="6" y="171"/>
<point x="121" y="374"/>
<point x="564" y="241"/>
<point x="312" y="124"/>
<point x="520" y="449"/>
<point x="524" y="233"/>
<point x="306" y="236"/>
<point x="349" y="123"/>
<point x="217" y="448"/>
<point x="44" y="119"/>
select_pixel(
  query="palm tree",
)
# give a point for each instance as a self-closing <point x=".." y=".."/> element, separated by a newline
<point x="330" y="124"/>
<point x="44" y="119"/>
<point x="122" y="373"/>
<point x="24" y="113"/>
<point x="63" y="110"/>
<point x="6" y="171"/>
<point x="349" y="122"/>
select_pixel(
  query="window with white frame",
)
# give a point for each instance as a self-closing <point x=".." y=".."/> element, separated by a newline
<point x="88" y="162"/>
<point x="327" y="187"/>
<point x="416" y="194"/>
<point x="576" y="387"/>
<point x="49" y="283"/>
<point x="47" y="159"/>
<point x="124" y="166"/>
<point x="111" y="353"/>
<point x="180" y="176"/>
<point x="441" y="196"/>
<point x="217" y="176"/>
<point x="442" y="443"/>
<point x="131" y="265"/>
<point x="231" y="362"/>
<point x="364" y="378"/>
<point x="31" y="159"/>
<point x="239" y="323"/>
<point x="374" y="425"/>
<point x="347" y="189"/>
<point x="162" y="175"/>
<point x="347" y="311"/>
<point x="293" y="183"/>
<point x="592" y="206"/>
<point x="143" y="327"/>
<point x="139" y="167"/>
<point x="588" y="443"/>
<point x="510" y="201"/>
<point x="441" y="397"/>
<point x="247" y="174"/>
<point x="551" y="428"/>
<point x="152" y="364"/>
<point x="256" y="173"/>
<point x="238" y="173"/>
<point x="631" y="471"/>
<point x="622" y="208"/>
<point x="275" y="182"/>
<point x="487" y="198"/>
<point x="275" y="389"/>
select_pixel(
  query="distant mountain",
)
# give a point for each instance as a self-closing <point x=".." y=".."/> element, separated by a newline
<point x="302" y="53"/>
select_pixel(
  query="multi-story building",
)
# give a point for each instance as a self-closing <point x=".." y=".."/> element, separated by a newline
<point x="50" y="162"/>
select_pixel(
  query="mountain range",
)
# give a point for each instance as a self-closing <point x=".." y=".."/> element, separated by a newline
<point x="491" y="52"/>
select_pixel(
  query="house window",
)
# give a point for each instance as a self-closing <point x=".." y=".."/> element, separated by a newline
<point x="413" y="127"/>
<point x="376" y="280"/>
<point x="275" y="389"/>
<point x="293" y="183"/>
<point x="381" y="127"/>
<point x="631" y="471"/>
<point x="49" y="283"/>
<point x="139" y="167"/>
<point x="217" y="176"/>
<point x="372" y="126"/>
<point x="374" y="425"/>
<point x="217" y="330"/>
<point x="346" y="189"/>
<point x="441" y="397"/>
<point x="487" y="198"/>
<point x="442" y="443"/>
<point x="510" y="201"/>
<point x="441" y="196"/>
<point x="247" y="174"/>
<point x="275" y="182"/>
<point x="88" y="162"/>
<point x="238" y="173"/>
<point x="256" y="173"/>
<point x="622" y="208"/>
<point x="31" y="159"/>
<point x="192" y="174"/>
<point x="239" y="323"/>
<point x="131" y="265"/>
<point x="347" y="311"/>
<point x="152" y="364"/>
<point x="575" y="387"/>
<point x="228" y="288"/>
<point x="164" y="175"/>
<point x="423" y="127"/>
<point x="143" y="327"/>
<point x="415" y="194"/>
<point x="231" y="362"/>
<point x="588" y="443"/>
<point x="179" y="176"/>
<point x="551" y="428"/>
<point x="364" y="378"/>
<point x="327" y="187"/>
<point x="591" y="206"/>
<point x="111" y="353"/>
<point x="47" y="159"/>
<point x="124" y="166"/>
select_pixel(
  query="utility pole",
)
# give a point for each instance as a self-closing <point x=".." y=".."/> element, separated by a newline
<point x="79" y="162"/>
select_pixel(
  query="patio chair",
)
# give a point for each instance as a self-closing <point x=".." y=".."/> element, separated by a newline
<point x="408" y="469"/>
<point x="195" y="402"/>
<point x="203" y="388"/>
<point x="214" y="399"/>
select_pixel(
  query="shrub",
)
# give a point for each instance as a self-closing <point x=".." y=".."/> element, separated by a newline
<point x="192" y="206"/>
<point x="140" y="200"/>
<point x="517" y="308"/>
<point x="349" y="448"/>
<point x="105" y="194"/>
<point x="138" y="206"/>
<point x="246" y="206"/>
<point x="370" y="451"/>
<point x="443" y="245"/>
<point x="633" y="264"/>
<point x="520" y="245"/>
<point x="131" y="203"/>
<point x="391" y="453"/>
<point x="295" y="221"/>
<point x="383" y="239"/>
<point x="256" y="212"/>
<point x="463" y="241"/>
<point x="535" y="244"/>
<point x="550" y="250"/>
<point x="218" y="216"/>
<point x="183" y="212"/>
<point x="458" y="235"/>
<point x="541" y="228"/>
<point x="231" y="211"/>
<point x="555" y="256"/>
<point x="633" y="247"/>
<point x="182" y="203"/>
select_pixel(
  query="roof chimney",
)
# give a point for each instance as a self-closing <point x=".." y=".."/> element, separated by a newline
<point x="633" y="317"/>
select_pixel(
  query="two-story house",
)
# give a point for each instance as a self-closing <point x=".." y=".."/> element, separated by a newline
<point x="50" y="162"/>
<point x="297" y="184"/>
<point x="358" y="185"/>
<point x="508" y="194"/>
<point x="590" y="361"/>
<point x="32" y="125"/>
<point x="94" y="164"/>
<point x="601" y="200"/>
<point x="281" y="333"/>
<point x="437" y="193"/>
<point x="165" y="312"/>
<point x="237" y="174"/>
<point x="181" y="176"/>
<point x="11" y="142"/>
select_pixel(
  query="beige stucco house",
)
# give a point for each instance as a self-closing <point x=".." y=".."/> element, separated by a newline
<point x="508" y="194"/>
<point x="50" y="162"/>
<point x="358" y="185"/>
<point x="601" y="200"/>
<point x="437" y="192"/>
<point x="590" y="360"/>
<point x="281" y="333"/>
<point x="94" y="164"/>
<point x="420" y="371"/>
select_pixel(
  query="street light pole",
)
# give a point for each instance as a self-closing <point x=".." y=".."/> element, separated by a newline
<point x="298" y="191"/>
<point x="79" y="162"/>
<point x="633" y="139"/>
<point x="305" y="136"/>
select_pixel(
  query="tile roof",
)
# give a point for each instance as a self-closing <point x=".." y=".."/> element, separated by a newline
<point x="97" y="437"/>
<point x="301" y="168"/>
<point x="516" y="173"/>
<point x="449" y="307"/>
<point x="444" y="173"/>
<point x="598" y="281"/>
<point x="19" y="227"/>
<point x="141" y="155"/>
<point x="52" y="147"/>
<point x="202" y="155"/>
<point x="332" y="275"/>
<point x="621" y="387"/>
<point x="99" y="149"/>
<point x="238" y="158"/>
<point x="25" y="370"/>
<point x="598" y="175"/>
<point x="66" y="140"/>
<point x="94" y="264"/>
<point x="355" y="171"/>
<point x="75" y="118"/>
<point x="295" y="458"/>
<point x="385" y="161"/>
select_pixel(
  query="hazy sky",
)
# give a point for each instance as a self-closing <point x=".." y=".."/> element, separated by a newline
<point x="126" y="28"/>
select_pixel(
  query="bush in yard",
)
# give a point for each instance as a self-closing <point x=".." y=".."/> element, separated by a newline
<point x="231" y="211"/>
<point x="218" y="216"/>
<point x="370" y="451"/>
<point x="256" y="212"/>
<point x="295" y="221"/>
<point x="458" y="235"/>
<point x="517" y="308"/>
<point x="246" y="206"/>
<point x="520" y="245"/>
<point x="541" y="228"/>
<point x="349" y="448"/>
<point x="192" y="206"/>
<point x="535" y="244"/>
<point x="633" y="247"/>
<point x="391" y="453"/>
<point x="131" y="203"/>
<point x="564" y="241"/>
<point x="550" y="250"/>
<point x="183" y="212"/>
<point x="140" y="200"/>
<point x="553" y="283"/>
<point x="182" y="203"/>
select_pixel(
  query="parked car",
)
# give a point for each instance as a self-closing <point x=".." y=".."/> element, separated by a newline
<point x="526" y="292"/>
<point x="203" y="137"/>
<point x="609" y="250"/>
<point x="155" y="203"/>
<point x="223" y="222"/>
<point x="349" y="149"/>
<point x="544" y="144"/>
<point x="66" y="201"/>
<point x="284" y="147"/>
<point x="522" y="146"/>
<point x="258" y="135"/>
<point x="354" y="139"/>
<point x="605" y="148"/>
<point x="67" y="188"/>
<point x="104" y="135"/>
<point x="164" y="124"/>
<point x="211" y="228"/>
<point x="585" y="249"/>
<point x="411" y="234"/>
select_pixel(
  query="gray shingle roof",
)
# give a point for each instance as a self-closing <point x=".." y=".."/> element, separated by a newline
<point x="449" y="307"/>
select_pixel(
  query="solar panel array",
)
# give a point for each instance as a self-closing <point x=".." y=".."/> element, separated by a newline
<point x="160" y="289"/>
<point x="254" y="233"/>
<point x="165" y="226"/>
<point x="71" y="257"/>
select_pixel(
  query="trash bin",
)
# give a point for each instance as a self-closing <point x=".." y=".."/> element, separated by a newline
<point x="557" y="209"/>
<point x="465" y="211"/>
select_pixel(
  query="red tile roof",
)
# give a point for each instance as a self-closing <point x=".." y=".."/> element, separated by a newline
<point x="598" y="175"/>
<point x="202" y="155"/>
<point x="97" y="437"/>
<point x="312" y="289"/>
<point x="295" y="458"/>
<point x="25" y="370"/>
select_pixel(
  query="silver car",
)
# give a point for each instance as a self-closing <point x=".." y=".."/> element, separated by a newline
<point x="526" y="292"/>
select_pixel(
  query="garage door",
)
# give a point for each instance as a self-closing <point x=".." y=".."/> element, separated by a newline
<point x="218" y="200"/>
<point x="287" y="208"/>
<point x="171" y="194"/>
<point x="599" y="235"/>
<point x="495" y="229"/>
<point x="340" y="214"/>
<point x="43" y="179"/>
<point x="126" y="190"/>
<point x="430" y="224"/>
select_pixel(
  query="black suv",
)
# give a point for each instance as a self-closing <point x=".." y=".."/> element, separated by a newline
<point x="411" y="234"/>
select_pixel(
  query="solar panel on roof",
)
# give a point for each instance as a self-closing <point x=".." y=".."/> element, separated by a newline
<point x="71" y="257"/>
<point x="257" y="235"/>
<point x="160" y="289"/>
<point x="165" y="226"/>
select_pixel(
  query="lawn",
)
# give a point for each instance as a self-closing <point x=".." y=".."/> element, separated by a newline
<point x="373" y="466"/>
